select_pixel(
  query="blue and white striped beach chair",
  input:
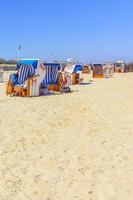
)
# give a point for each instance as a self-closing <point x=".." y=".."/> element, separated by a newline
<point x="52" y="70"/>
<point x="30" y="74"/>
<point x="26" y="68"/>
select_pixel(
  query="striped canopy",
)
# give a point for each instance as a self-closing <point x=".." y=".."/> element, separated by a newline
<point x="26" y="69"/>
<point x="52" y="70"/>
<point x="72" y="68"/>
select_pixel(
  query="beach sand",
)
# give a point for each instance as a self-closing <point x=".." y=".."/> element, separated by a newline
<point x="75" y="146"/>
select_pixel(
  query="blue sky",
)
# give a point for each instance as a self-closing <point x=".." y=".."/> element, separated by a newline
<point x="86" y="30"/>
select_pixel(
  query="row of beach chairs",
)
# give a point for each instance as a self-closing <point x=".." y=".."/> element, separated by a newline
<point x="35" y="78"/>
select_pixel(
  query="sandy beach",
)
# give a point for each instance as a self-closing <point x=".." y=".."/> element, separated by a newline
<point x="75" y="146"/>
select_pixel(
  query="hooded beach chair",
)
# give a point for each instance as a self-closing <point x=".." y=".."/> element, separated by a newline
<point x="98" y="71"/>
<point x="30" y="74"/>
<point x="72" y="74"/>
<point x="53" y="78"/>
<point x="120" y="66"/>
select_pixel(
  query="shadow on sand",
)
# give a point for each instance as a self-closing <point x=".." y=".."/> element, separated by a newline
<point x="86" y="83"/>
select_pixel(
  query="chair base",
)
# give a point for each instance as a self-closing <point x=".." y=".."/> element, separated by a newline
<point x="54" y="88"/>
<point x="98" y="76"/>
